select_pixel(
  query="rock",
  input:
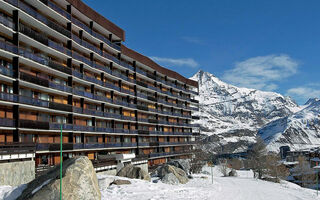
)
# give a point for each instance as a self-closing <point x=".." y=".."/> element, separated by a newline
<point x="105" y="182"/>
<point x="120" y="182"/>
<point x="131" y="171"/>
<point x="179" y="173"/>
<point x="232" y="173"/>
<point x="190" y="177"/>
<point x="183" y="164"/>
<point x="79" y="181"/>
<point x="170" y="179"/>
<point x="206" y="172"/>
<point x="204" y="177"/>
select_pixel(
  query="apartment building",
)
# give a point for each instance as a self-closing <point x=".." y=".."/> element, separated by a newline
<point x="63" y="65"/>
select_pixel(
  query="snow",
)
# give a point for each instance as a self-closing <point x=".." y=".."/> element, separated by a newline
<point x="299" y="130"/>
<point x="243" y="187"/>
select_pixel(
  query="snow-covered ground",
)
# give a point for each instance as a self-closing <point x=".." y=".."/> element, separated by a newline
<point x="243" y="187"/>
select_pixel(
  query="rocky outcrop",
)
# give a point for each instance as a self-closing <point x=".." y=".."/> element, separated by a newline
<point x="183" y="164"/>
<point x="170" y="179"/>
<point x="131" y="171"/>
<point x="177" y="172"/>
<point x="79" y="182"/>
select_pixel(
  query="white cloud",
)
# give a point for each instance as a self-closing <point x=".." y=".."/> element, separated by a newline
<point x="193" y="40"/>
<point x="180" y="62"/>
<point x="262" y="72"/>
<point x="302" y="94"/>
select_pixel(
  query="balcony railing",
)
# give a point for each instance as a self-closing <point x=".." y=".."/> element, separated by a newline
<point x="59" y="67"/>
<point x="57" y="9"/>
<point x="34" y="79"/>
<point x="17" y="148"/>
<point x="7" y="122"/>
<point x="60" y="87"/>
<point x="60" y="106"/>
<point x="33" y="124"/>
<point x="95" y="34"/>
<point x="7" y="22"/>
<point x="6" y="71"/>
<point x="57" y="126"/>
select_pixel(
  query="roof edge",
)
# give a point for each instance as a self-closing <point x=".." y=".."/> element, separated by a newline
<point x="150" y="63"/>
<point x="96" y="17"/>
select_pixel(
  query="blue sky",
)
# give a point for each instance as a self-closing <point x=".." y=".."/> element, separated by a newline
<point x="270" y="45"/>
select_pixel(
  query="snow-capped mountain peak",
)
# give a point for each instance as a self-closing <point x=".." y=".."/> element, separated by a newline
<point x="299" y="130"/>
<point x="232" y="115"/>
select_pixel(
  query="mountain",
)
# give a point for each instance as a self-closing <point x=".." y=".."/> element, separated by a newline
<point x="231" y="116"/>
<point x="299" y="130"/>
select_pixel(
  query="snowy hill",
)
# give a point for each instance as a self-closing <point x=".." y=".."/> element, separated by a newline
<point x="232" y="123"/>
<point x="299" y="130"/>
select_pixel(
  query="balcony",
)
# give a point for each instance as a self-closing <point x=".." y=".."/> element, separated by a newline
<point x="60" y="87"/>
<point x="126" y="65"/>
<point x="17" y="148"/>
<point x="60" y="106"/>
<point x="8" y="47"/>
<point x="141" y="71"/>
<point x="33" y="34"/>
<point x="7" y="22"/>
<point x="120" y="130"/>
<point x="95" y="34"/>
<point x="143" y="120"/>
<point x="83" y="128"/>
<point x="142" y="95"/>
<point x="59" y="47"/>
<point x="143" y="143"/>
<point x="111" y="86"/>
<point x="141" y="107"/>
<point x="129" y="144"/>
<point x="93" y="145"/>
<point x="9" y="97"/>
<point x="144" y="132"/>
<point x="6" y="71"/>
<point x="92" y="79"/>
<point x="127" y="91"/>
<point x="7" y="122"/>
<point x="33" y="124"/>
<point x="154" y="121"/>
<point x="112" y="145"/>
<point x="152" y="98"/>
<point x="33" y="102"/>
<point x="59" y="67"/>
<point x="128" y="118"/>
<point x="34" y="79"/>
<point x="154" y="144"/>
<point x="81" y="58"/>
<point x="57" y="126"/>
<point x="194" y="101"/>
<point x="57" y="9"/>
<point x="43" y="19"/>
<point x="142" y="84"/>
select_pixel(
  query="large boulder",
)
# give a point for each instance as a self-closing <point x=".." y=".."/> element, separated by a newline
<point x="170" y="179"/>
<point x="183" y="164"/>
<point x="131" y="171"/>
<point x="79" y="181"/>
<point x="179" y="173"/>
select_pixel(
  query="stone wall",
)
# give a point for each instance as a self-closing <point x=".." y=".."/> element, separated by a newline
<point x="17" y="173"/>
